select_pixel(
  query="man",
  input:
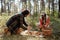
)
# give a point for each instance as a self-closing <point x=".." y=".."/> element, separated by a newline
<point x="17" y="21"/>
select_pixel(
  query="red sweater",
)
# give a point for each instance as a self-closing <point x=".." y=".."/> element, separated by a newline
<point x="46" y="23"/>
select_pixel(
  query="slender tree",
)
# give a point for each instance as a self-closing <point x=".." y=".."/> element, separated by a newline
<point x="52" y="7"/>
<point x="1" y="6"/>
<point x="24" y="4"/>
<point x="4" y="6"/>
<point x="35" y="5"/>
<point x="29" y="5"/>
<point x="42" y="3"/>
<point x="49" y="5"/>
<point x="59" y="10"/>
<point x="8" y="7"/>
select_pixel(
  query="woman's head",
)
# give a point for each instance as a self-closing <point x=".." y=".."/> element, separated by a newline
<point x="25" y="13"/>
<point x="44" y="17"/>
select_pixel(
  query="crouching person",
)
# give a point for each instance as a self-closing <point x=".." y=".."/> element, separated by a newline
<point x="44" y="21"/>
<point x="15" y="23"/>
<point x="44" y="24"/>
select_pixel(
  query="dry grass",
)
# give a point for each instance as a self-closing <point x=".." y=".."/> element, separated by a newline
<point x="19" y="37"/>
<point x="3" y="20"/>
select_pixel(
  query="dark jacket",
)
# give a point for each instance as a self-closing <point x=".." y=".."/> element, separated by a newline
<point x="16" y="21"/>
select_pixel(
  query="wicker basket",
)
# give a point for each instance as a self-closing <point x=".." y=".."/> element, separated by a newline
<point x="47" y="32"/>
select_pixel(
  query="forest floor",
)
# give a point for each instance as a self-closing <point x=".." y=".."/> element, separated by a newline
<point x="55" y="24"/>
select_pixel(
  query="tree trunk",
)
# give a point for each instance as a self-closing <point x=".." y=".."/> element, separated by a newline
<point x="24" y="4"/>
<point x="42" y="5"/>
<point x="52" y="7"/>
<point x="29" y="5"/>
<point x="35" y="6"/>
<point x="8" y="8"/>
<point x="4" y="6"/>
<point x="59" y="10"/>
<point x="49" y="6"/>
<point x="1" y="6"/>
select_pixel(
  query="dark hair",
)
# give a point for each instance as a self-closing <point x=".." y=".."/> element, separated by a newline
<point x="44" y="18"/>
<point x="25" y="12"/>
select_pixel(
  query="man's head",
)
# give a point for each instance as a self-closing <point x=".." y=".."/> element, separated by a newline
<point x="25" y="13"/>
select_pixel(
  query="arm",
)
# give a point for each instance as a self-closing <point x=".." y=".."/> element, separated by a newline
<point x="41" y="23"/>
<point x="21" y="23"/>
<point x="24" y="22"/>
<point x="47" y="21"/>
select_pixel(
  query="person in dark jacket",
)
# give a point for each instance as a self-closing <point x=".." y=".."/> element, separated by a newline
<point x="17" y="21"/>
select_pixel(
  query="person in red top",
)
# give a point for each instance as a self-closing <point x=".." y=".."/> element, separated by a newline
<point x="44" y="21"/>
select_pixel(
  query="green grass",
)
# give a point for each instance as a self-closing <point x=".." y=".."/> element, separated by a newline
<point x="55" y="22"/>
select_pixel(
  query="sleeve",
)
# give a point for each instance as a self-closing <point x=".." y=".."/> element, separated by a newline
<point x="47" y="21"/>
<point x="21" y="23"/>
<point x="41" y="23"/>
<point x="25" y="22"/>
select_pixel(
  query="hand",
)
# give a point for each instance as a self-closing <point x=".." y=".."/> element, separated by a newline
<point x="29" y="28"/>
<point x="45" y="26"/>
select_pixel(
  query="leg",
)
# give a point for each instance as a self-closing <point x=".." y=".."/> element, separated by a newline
<point x="6" y="31"/>
<point x="19" y="30"/>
